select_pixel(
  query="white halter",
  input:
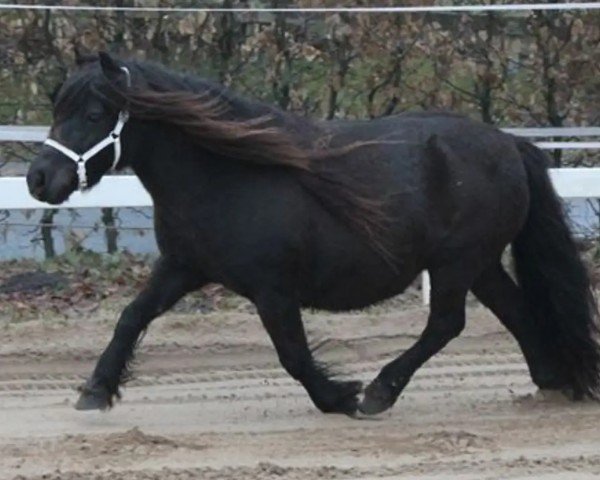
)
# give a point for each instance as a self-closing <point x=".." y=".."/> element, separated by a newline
<point x="114" y="137"/>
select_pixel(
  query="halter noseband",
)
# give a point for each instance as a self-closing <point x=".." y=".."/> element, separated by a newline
<point x="114" y="137"/>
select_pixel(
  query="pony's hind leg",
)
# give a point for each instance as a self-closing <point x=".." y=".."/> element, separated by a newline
<point x="280" y="314"/>
<point x="168" y="283"/>
<point x="446" y="321"/>
<point x="498" y="292"/>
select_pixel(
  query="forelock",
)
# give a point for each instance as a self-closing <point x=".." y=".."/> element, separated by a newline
<point x="74" y="91"/>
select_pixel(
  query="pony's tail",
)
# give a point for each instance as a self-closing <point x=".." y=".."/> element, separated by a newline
<point x="555" y="282"/>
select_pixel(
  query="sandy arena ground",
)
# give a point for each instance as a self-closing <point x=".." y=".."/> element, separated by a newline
<point x="210" y="401"/>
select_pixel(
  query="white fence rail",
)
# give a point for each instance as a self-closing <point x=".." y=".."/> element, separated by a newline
<point x="399" y="9"/>
<point x="38" y="133"/>
<point x="127" y="191"/>
<point x="112" y="191"/>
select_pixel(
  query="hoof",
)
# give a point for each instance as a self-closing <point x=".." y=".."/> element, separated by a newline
<point x="343" y="399"/>
<point x="94" y="398"/>
<point x="378" y="398"/>
<point x="570" y="393"/>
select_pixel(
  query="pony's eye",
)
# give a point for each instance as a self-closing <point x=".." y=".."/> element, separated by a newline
<point x="94" y="116"/>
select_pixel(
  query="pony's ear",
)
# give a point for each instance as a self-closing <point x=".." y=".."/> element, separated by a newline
<point x="110" y="67"/>
<point x="54" y="93"/>
<point x="83" y="58"/>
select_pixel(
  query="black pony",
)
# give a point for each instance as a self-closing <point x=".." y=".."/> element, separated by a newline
<point x="294" y="213"/>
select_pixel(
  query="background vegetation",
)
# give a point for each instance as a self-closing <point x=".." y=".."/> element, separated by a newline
<point x="510" y="69"/>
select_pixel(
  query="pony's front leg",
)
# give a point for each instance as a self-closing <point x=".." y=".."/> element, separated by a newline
<point x="280" y="314"/>
<point x="168" y="283"/>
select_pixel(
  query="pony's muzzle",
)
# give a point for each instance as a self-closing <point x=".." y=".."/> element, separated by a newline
<point x="51" y="179"/>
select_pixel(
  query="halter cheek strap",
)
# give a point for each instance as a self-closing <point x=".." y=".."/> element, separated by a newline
<point x="113" y="138"/>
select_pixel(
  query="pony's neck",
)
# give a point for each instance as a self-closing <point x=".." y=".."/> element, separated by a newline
<point x="156" y="152"/>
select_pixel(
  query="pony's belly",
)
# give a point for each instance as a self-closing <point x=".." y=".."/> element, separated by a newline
<point x="344" y="293"/>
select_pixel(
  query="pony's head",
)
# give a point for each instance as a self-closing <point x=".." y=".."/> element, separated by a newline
<point x="89" y="113"/>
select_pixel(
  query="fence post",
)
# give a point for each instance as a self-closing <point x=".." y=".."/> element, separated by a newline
<point x="425" y="287"/>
